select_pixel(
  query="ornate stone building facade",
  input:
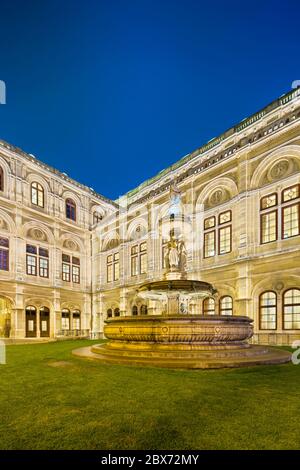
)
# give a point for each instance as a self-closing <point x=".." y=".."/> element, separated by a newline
<point x="70" y="258"/>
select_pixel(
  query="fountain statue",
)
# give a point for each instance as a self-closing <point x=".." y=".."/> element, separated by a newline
<point x="176" y="338"/>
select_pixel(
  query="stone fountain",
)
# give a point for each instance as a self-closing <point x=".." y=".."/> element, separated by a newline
<point x="175" y="338"/>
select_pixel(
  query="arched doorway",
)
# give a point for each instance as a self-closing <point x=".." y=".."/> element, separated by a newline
<point x="5" y="317"/>
<point x="44" y="322"/>
<point x="30" y="313"/>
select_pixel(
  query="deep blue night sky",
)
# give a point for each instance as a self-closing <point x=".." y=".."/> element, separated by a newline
<point x="111" y="92"/>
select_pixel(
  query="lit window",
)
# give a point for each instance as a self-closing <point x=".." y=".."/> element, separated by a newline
<point x="65" y="319"/>
<point x="139" y="259"/>
<point x="70" y="265"/>
<point x="220" y="235"/>
<point x="290" y="215"/>
<point x="224" y="217"/>
<point x="291" y="309"/>
<point x="268" y="201"/>
<point x="224" y="240"/>
<point x="268" y="311"/>
<point x="209" y="306"/>
<point x="210" y="222"/>
<point x="209" y="244"/>
<point x="290" y="221"/>
<point x="76" y="320"/>
<point x="37" y="194"/>
<point x="226" y="305"/>
<point x="269" y="227"/>
<point x="290" y="193"/>
<point x="113" y="267"/>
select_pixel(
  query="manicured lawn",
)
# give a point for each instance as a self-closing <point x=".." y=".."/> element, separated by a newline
<point x="85" y="405"/>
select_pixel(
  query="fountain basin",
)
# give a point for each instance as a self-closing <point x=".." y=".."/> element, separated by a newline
<point x="186" y="342"/>
<point x="180" y="329"/>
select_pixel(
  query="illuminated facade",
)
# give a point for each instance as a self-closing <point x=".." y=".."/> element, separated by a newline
<point x="69" y="258"/>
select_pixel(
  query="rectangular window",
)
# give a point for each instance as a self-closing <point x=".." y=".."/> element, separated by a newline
<point x="66" y="272"/>
<point x="116" y="271"/>
<point x="76" y="321"/>
<point x="290" y="221"/>
<point x="224" y="240"/>
<point x="65" y="323"/>
<point x="44" y="267"/>
<point x="70" y="269"/>
<point x="4" y="254"/>
<point x="134" y="266"/>
<point x="109" y="273"/>
<point x="76" y="274"/>
<point x="134" y="260"/>
<point x="291" y="193"/>
<point x="113" y="267"/>
<point x="209" y="244"/>
<point x="31" y="265"/>
<point x="268" y="201"/>
<point x="268" y="223"/>
<point x="225" y="217"/>
<point x="143" y="263"/>
<point x="210" y="222"/>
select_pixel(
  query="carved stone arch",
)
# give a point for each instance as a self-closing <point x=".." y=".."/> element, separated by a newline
<point x="216" y="192"/>
<point x="111" y="241"/>
<point x="137" y="229"/>
<point x="276" y="284"/>
<point x="35" y="177"/>
<point x="9" y="298"/>
<point x="67" y="194"/>
<point x="72" y="306"/>
<point x="97" y="208"/>
<point x="280" y="163"/>
<point x="37" y="231"/>
<point x="6" y="176"/>
<point x="37" y="302"/>
<point x="71" y="242"/>
<point x="6" y="222"/>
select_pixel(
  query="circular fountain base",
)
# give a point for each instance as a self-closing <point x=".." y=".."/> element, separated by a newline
<point x="187" y="342"/>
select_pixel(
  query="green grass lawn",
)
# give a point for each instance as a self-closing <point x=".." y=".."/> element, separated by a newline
<point x="86" y="405"/>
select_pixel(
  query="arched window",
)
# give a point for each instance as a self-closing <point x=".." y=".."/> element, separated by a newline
<point x="65" y="319"/>
<point x="1" y="179"/>
<point x="144" y="310"/>
<point x="291" y="309"/>
<point x="134" y="310"/>
<point x="97" y="217"/>
<point x="226" y="307"/>
<point x="208" y="306"/>
<point x="71" y="209"/>
<point x="37" y="194"/>
<point x="109" y="313"/>
<point x="116" y="312"/>
<point x="268" y="311"/>
<point x="76" y="320"/>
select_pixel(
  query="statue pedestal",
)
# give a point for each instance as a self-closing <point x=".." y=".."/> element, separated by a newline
<point x="174" y="275"/>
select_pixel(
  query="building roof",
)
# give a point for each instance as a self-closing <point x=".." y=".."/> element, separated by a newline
<point x="284" y="99"/>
